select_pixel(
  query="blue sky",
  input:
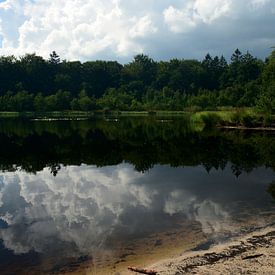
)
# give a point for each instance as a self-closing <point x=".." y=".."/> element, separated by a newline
<point x="119" y="29"/>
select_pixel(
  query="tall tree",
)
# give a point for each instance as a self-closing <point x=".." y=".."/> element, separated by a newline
<point x="54" y="58"/>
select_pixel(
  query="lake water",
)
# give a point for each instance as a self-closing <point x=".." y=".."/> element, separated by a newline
<point x="103" y="194"/>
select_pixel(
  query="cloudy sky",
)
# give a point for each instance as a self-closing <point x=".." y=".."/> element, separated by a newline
<point x="119" y="29"/>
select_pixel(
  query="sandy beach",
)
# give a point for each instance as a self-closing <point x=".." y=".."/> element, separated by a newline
<point x="250" y="254"/>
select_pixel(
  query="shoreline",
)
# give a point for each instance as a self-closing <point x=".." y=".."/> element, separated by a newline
<point x="247" y="128"/>
<point x="203" y="118"/>
<point x="251" y="253"/>
<point x="88" y="114"/>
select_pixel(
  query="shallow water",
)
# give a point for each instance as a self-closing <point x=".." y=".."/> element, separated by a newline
<point x="103" y="193"/>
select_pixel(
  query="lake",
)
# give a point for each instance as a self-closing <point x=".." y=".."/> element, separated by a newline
<point x="101" y="194"/>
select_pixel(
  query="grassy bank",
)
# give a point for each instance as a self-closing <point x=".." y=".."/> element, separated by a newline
<point x="238" y="118"/>
<point x="244" y="117"/>
<point x="81" y="114"/>
<point x="57" y="114"/>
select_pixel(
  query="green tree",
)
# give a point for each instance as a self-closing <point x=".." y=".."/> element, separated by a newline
<point x="116" y="100"/>
<point x="266" y="100"/>
<point x="23" y="101"/>
<point x="142" y="68"/>
<point x="39" y="103"/>
<point x="54" y="58"/>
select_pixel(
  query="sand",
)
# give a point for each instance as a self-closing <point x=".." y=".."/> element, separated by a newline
<point x="250" y="254"/>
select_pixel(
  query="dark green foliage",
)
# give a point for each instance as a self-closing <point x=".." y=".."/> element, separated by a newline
<point x="116" y="100"/>
<point x="267" y="120"/>
<point x="236" y="117"/>
<point x="210" y="120"/>
<point x="83" y="102"/>
<point x="31" y="83"/>
<point x="266" y="100"/>
<point x="248" y="120"/>
<point x="54" y="58"/>
<point x="205" y="99"/>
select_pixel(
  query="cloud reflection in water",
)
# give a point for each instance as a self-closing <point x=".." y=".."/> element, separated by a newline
<point x="77" y="211"/>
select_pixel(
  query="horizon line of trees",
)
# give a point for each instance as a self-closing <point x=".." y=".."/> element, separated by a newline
<point x="31" y="83"/>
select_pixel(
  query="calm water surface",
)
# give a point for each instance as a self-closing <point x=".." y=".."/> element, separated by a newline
<point x="104" y="192"/>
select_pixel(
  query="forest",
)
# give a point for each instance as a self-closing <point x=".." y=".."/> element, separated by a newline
<point x="32" y="83"/>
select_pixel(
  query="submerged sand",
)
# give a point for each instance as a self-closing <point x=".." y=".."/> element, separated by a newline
<point x="251" y="253"/>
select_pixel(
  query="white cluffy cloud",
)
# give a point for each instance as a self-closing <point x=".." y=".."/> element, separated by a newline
<point x="195" y="12"/>
<point x="118" y="29"/>
<point x="76" y="29"/>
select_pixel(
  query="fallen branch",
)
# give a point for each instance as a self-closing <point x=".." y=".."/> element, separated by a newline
<point x="252" y="256"/>
<point x="143" y="271"/>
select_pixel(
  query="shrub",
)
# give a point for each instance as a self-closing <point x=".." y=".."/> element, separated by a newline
<point x="193" y="109"/>
<point x="248" y="120"/>
<point x="210" y="120"/>
<point x="152" y="113"/>
<point x="267" y="120"/>
<point x="236" y="118"/>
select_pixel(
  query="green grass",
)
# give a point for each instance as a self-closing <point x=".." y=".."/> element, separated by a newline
<point x="9" y="114"/>
<point x="224" y="116"/>
<point x="57" y="114"/>
<point x="81" y="114"/>
<point x="246" y="117"/>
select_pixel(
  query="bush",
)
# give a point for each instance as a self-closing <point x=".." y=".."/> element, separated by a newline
<point x="248" y="120"/>
<point x="152" y="113"/>
<point x="193" y="109"/>
<point x="236" y="118"/>
<point x="210" y="120"/>
<point x="267" y="120"/>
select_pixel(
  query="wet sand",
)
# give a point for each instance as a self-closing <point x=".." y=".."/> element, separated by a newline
<point x="185" y="249"/>
<point x="250" y="254"/>
<point x="140" y="252"/>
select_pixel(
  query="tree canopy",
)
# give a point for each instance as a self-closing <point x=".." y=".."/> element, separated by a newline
<point x="32" y="83"/>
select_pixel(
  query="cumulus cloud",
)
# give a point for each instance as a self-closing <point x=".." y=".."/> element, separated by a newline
<point x="76" y="29"/>
<point x="118" y="29"/>
<point x="195" y="12"/>
<point x="200" y="12"/>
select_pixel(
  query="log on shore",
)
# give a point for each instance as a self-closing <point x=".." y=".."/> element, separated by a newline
<point x="142" y="270"/>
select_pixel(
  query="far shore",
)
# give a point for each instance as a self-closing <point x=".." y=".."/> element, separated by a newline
<point x="87" y="114"/>
<point x="248" y="128"/>
<point x="232" y="119"/>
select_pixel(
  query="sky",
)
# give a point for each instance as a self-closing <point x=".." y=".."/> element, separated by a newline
<point x="119" y="29"/>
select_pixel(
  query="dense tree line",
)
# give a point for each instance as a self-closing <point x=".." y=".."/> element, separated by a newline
<point x="31" y="83"/>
